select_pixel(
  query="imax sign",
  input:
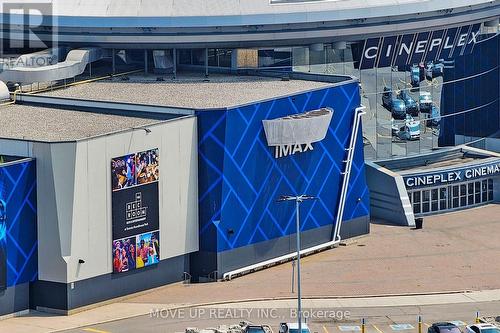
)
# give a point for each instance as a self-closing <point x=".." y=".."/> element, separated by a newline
<point x="296" y="133"/>
<point x="418" y="47"/>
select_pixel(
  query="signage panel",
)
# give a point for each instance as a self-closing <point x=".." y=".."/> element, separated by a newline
<point x="410" y="49"/>
<point x="453" y="176"/>
<point x="296" y="133"/>
<point x="135" y="210"/>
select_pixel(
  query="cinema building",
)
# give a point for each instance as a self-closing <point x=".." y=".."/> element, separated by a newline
<point x="148" y="145"/>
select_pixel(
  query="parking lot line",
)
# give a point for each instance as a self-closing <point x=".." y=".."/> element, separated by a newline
<point x="378" y="329"/>
<point x="93" y="330"/>
<point x="402" y="327"/>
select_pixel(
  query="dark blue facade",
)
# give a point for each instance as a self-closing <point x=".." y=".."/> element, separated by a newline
<point x="240" y="179"/>
<point x="473" y="84"/>
<point x="19" y="244"/>
<point x="18" y="191"/>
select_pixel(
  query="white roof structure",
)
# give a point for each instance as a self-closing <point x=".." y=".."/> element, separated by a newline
<point x="250" y="23"/>
<point x="182" y="13"/>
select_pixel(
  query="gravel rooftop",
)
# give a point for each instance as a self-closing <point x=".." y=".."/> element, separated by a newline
<point x="188" y="91"/>
<point x="52" y="125"/>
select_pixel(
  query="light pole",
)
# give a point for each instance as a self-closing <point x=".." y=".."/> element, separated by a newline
<point x="298" y="200"/>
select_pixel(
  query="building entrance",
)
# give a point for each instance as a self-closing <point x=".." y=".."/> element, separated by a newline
<point x="451" y="197"/>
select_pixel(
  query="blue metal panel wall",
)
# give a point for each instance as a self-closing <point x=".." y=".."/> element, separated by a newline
<point x="18" y="191"/>
<point x="240" y="180"/>
<point x="473" y="84"/>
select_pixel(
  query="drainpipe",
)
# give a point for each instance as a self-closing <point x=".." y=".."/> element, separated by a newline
<point x="347" y="172"/>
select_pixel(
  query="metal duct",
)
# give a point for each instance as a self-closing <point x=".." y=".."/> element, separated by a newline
<point x="4" y="92"/>
<point x="75" y="64"/>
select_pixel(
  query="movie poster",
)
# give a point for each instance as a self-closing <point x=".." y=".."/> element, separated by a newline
<point x="3" y="245"/>
<point x="135" y="210"/>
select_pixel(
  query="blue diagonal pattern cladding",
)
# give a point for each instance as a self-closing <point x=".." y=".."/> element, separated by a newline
<point x="240" y="179"/>
<point x="18" y="191"/>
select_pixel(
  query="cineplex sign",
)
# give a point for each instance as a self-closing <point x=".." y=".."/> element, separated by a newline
<point x="419" y="47"/>
<point x="453" y="176"/>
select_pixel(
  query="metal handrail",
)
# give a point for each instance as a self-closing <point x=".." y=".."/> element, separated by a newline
<point x="186" y="278"/>
<point x="213" y="276"/>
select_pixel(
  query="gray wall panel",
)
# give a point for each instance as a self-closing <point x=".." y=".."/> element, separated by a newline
<point x="14" y="299"/>
<point x="388" y="196"/>
<point x="252" y="254"/>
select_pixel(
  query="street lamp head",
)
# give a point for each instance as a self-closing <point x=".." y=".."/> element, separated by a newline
<point x="299" y="198"/>
<point x="286" y="198"/>
<point x="305" y="197"/>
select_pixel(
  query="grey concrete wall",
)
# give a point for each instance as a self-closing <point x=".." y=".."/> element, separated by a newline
<point x="74" y="196"/>
<point x="388" y="196"/>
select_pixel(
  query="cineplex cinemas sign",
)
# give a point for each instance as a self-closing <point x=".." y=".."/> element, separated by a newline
<point x="488" y="170"/>
<point x="419" y="47"/>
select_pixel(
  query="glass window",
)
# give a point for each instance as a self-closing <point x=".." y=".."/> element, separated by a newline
<point x="477" y="186"/>
<point x="417" y="208"/>
<point x="416" y="196"/>
<point x="185" y="57"/>
<point x="426" y="196"/>
<point x="443" y="193"/>
<point x="470" y="191"/>
<point x="434" y="194"/>
<point x="484" y="190"/>
<point x="490" y="189"/>
<point x="425" y="207"/>
<point x="225" y="58"/>
<point x="212" y="57"/>
<point x="463" y="190"/>
<point x="198" y="57"/>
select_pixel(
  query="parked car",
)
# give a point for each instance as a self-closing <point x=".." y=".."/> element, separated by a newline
<point x="409" y="131"/>
<point x="433" y="70"/>
<point x="293" y="328"/>
<point x="393" y="104"/>
<point x="444" y="327"/>
<point x="387" y="97"/>
<point x="415" y="76"/>
<point x="398" y="109"/>
<point x="482" y="328"/>
<point x="425" y="101"/>
<point x="434" y="117"/>
<point x="410" y="103"/>
<point x="257" y="329"/>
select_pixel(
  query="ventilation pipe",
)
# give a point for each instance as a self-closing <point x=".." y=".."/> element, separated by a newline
<point x="74" y="65"/>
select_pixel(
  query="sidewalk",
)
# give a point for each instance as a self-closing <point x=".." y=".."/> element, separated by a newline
<point x="37" y="322"/>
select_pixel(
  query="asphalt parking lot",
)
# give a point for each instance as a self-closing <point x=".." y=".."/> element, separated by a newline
<point x="321" y="320"/>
